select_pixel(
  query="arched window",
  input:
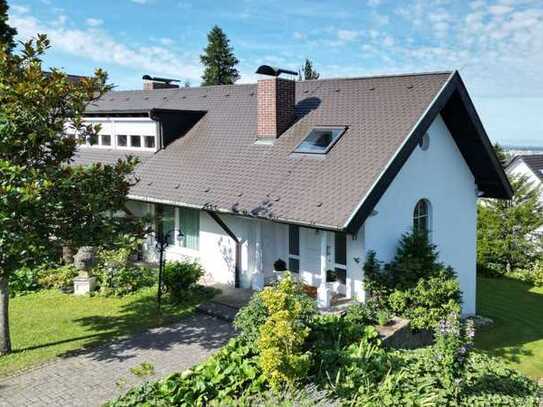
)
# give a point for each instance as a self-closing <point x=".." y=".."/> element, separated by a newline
<point x="421" y="217"/>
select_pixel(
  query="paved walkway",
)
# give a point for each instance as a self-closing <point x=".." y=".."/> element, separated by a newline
<point x="97" y="375"/>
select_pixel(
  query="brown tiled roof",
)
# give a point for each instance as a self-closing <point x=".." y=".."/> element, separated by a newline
<point x="218" y="166"/>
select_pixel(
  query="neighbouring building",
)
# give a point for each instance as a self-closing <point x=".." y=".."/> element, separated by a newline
<point x="316" y="173"/>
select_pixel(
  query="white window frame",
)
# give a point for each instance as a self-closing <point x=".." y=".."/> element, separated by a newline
<point x="416" y="217"/>
<point x="114" y="133"/>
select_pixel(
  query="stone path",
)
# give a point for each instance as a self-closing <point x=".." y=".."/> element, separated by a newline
<point x="94" y="376"/>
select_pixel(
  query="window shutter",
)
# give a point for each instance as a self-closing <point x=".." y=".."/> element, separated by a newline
<point x="189" y="222"/>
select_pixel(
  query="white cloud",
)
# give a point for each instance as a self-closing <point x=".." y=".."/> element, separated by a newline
<point x="166" y="41"/>
<point x="94" y="22"/>
<point x="347" y="35"/>
<point x="299" y="35"/>
<point x="100" y="47"/>
<point x="500" y="9"/>
<point x="20" y="9"/>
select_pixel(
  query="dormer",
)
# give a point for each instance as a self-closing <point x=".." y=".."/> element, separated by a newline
<point x="139" y="130"/>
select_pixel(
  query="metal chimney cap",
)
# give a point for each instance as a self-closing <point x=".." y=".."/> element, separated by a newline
<point x="273" y="71"/>
<point x="157" y="79"/>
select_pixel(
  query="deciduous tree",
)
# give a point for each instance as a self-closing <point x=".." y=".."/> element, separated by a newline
<point x="44" y="200"/>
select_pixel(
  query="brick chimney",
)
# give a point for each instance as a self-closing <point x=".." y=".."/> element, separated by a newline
<point x="275" y="99"/>
<point x="150" y="83"/>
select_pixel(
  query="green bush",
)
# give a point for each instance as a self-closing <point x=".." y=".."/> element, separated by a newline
<point x="23" y="281"/>
<point x="282" y="357"/>
<point x="414" y="285"/>
<point x="532" y="275"/>
<point x="116" y="275"/>
<point x="250" y="318"/>
<point x="228" y="374"/>
<point x="179" y="276"/>
<point x="60" y="277"/>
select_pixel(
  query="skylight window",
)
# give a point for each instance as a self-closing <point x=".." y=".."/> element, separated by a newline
<point x="320" y="140"/>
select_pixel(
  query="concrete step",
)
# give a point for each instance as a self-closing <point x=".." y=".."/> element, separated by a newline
<point x="221" y="311"/>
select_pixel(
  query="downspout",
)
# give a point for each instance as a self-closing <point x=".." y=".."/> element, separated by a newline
<point x="224" y="226"/>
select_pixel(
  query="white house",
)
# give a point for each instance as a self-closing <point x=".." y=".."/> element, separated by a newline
<point x="529" y="166"/>
<point x="316" y="173"/>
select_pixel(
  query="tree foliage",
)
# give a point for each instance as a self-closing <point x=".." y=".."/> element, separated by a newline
<point x="219" y="60"/>
<point x="415" y="285"/>
<point x="43" y="200"/>
<point x="507" y="237"/>
<point x="7" y="33"/>
<point x="307" y="71"/>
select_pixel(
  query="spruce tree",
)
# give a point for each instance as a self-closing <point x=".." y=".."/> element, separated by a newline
<point x="307" y="72"/>
<point x="7" y="33"/>
<point x="219" y="60"/>
<point x="508" y="230"/>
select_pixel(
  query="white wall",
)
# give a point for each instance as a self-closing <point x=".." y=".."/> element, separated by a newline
<point x="440" y="175"/>
<point x="128" y="126"/>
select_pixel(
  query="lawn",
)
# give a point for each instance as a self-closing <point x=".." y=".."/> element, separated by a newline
<point x="49" y="323"/>
<point x="517" y="333"/>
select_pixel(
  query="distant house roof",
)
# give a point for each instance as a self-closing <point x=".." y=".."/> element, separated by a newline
<point x="218" y="166"/>
<point x="533" y="161"/>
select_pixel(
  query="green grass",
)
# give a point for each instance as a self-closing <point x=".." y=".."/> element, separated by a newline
<point x="517" y="333"/>
<point x="48" y="324"/>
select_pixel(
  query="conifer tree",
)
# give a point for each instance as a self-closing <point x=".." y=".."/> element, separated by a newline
<point x="219" y="60"/>
<point x="307" y="71"/>
<point x="7" y="33"/>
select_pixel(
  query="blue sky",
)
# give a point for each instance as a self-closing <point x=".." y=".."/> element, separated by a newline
<point x="497" y="45"/>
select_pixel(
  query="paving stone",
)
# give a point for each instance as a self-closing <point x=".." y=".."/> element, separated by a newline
<point x="88" y="377"/>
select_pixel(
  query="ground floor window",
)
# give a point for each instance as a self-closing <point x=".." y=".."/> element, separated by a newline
<point x="294" y="248"/>
<point x="339" y="273"/>
<point x="166" y="222"/>
<point x="189" y="228"/>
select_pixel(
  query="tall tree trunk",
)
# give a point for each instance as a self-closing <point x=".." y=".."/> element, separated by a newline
<point x="5" y="341"/>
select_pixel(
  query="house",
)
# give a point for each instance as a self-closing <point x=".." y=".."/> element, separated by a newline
<point x="315" y="173"/>
<point x="529" y="166"/>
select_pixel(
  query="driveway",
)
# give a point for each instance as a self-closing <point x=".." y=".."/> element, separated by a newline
<point x="93" y="376"/>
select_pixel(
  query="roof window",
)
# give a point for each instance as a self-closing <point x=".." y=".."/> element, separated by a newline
<point x="320" y="140"/>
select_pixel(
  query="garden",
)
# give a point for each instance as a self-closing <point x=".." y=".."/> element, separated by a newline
<point x="123" y="304"/>
<point x="287" y="353"/>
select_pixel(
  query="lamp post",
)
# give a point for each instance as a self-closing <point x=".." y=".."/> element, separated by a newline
<point x="161" y="245"/>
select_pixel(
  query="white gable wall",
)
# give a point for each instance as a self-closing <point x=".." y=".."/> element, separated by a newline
<point x="441" y="176"/>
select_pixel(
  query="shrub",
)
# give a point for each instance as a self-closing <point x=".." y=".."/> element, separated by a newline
<point x="250" y="318"/>
<point x="282" y="336"/>
<point x="228" y="374"/>
<point x="383" y="317"/>
<point x="23" y="281"/>
<point x="308" y="396"/>
<point x="532" y="275"/>
<point x="117" y="276"/>
<point x="60" y="277"/>
<point x="180" y="276"/>
<point x="414" y="285"/>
